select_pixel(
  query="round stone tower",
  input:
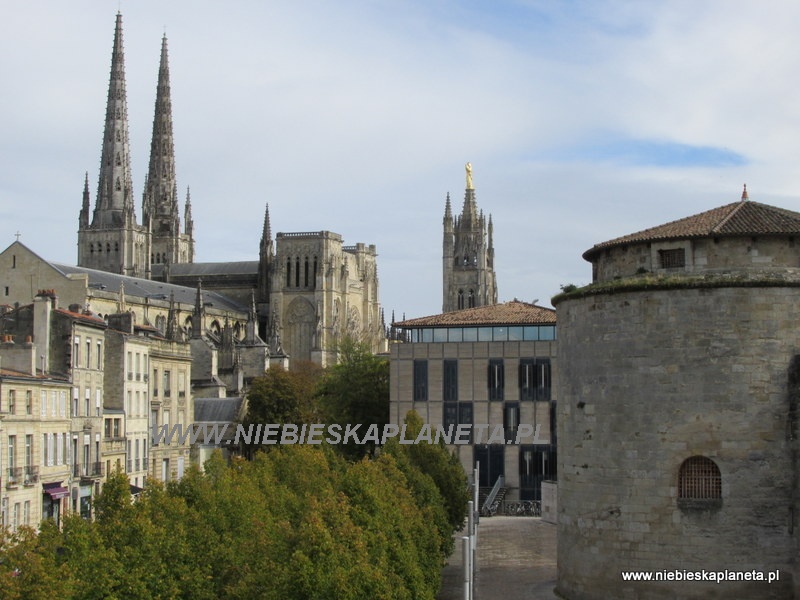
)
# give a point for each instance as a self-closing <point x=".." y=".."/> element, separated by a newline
<point x="679" y="382"/>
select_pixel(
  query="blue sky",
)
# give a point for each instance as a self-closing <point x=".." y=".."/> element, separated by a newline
<point x="583" y="121"/>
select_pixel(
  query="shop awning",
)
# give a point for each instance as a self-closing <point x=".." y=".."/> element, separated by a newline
<point x="55" y="490"/>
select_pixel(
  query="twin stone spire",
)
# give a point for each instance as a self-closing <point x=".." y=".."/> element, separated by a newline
<point x="113" y="240"/>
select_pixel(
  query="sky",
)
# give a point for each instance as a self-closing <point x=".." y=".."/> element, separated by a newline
<point x="583" y="121"/>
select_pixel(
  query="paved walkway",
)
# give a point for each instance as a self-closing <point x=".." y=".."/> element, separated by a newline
<point x="516" y="561"/>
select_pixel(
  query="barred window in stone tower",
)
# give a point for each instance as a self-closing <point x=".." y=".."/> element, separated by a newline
<point x="673" y="258"/>
<point x="699" y="479"/>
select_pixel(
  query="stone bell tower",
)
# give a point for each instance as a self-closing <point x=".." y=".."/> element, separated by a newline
<point x="468" y="255"/>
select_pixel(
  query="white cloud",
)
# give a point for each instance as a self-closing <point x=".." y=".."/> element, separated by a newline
<point x="358" y="117"/>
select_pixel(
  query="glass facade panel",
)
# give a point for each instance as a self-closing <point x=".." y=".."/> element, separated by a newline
<point x="470" y="334"/>
<point x="440" y="335"/>
<point x="484" y="334"/>
<point x="547" y="332"/>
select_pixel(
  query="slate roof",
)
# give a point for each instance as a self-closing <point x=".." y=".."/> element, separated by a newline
<point x="507" y="313"/>
<point x="6" y="372"/>
<point x="208" y="269"/>
<point x="217" y="410"/>
<point x="142" y="288"/>
<point x="743" y="218"/>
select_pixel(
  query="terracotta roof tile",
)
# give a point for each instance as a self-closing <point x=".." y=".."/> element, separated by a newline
<point x="94" y="319"/>
<point x="737" y="219"/>
<point x="508" y="313"/>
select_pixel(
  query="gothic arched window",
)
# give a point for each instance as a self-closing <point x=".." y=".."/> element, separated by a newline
<point x="306" y="272"/>
<point x="288" y="272"/>
<point x="460" y="299"/>
<point x="471" y="299"/>
<point x="297" y="272"/>
<point x="91" y="248"/>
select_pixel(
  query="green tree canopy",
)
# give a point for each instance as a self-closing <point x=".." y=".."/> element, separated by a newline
<point x="296" y="523"/>
<point x="355" y="391"/>
<point x="281" y="396"/>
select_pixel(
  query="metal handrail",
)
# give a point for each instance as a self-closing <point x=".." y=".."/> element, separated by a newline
<point x="493" y="494"/>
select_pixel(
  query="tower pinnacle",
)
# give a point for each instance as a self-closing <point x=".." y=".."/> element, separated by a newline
<point x="114" y="202"/>
<point x="83" y="219"/>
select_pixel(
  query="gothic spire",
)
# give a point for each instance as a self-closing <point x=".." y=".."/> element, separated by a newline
<point x="266" y="237"/>
<point x="266" y="234"/>
<point x="745" y="197"/>
<point x="114" y="203"/>
<point x="199" y="312"/>
<point x="448" y="213"/>
<point x="172" y="321"/>
<point x="160" y="198"/>
<point x="83" y="219"/>
<point x="187" y="214"/>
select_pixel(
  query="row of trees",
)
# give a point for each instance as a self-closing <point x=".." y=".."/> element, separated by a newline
<point x="294" y="522"/>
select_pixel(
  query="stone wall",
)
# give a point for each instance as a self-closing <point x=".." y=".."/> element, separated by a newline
<point x="646" y="380"/>
<point x="702" y="255"/>
<point x="550" y="502"/>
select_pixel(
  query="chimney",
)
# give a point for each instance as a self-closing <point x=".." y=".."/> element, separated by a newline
<point x="20" y="358"/>
<point x="122" y="322"/>
<point x="42" y="315"/>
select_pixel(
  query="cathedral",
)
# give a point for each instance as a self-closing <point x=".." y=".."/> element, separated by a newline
<point x="468" y="255"/>
<point x="309" y="288"/>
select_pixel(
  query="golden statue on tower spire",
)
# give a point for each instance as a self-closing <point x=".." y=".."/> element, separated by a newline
<point x="468" y="166"/>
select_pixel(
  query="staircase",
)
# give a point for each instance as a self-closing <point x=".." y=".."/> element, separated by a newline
<point x="484" y="492"/>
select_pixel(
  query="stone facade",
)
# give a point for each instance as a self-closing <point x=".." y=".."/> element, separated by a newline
<point x="678" y="412"/>
<point x="322" y="291"/>
<point x="34" y="437"/>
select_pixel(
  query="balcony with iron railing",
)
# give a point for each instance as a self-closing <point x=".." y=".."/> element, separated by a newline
<point x="93" y="470"/>
<point x="31" y="475"/>
<point x="14" y="477"/>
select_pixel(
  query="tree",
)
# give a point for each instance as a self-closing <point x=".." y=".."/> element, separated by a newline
<point x="355" y="391"/>
<point x="441" y="465"/>
<point x="281" y="396"/>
